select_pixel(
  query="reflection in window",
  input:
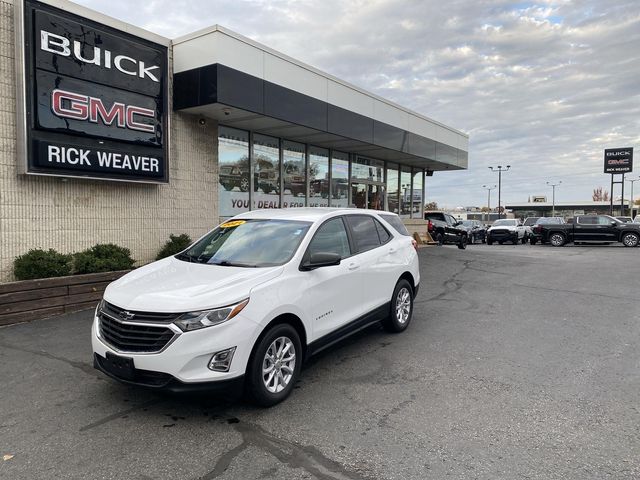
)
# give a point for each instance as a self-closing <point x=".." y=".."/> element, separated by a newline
<point x="266" y="172"/>
<point x="233" y="171"/>
<point x="392" y="188"/>
<point x="339" y="179"/>
<point x="331" y="237"/>
<point x="318" y="177"/>
<point x="367" y="169"/>
<point x="294" y="174"/>
<point x="405" y="192"/>
<point x="418" y="180"/>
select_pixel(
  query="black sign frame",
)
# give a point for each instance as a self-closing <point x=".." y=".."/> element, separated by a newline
<point x="618" y="160"/>
<point x="126" y="135"/>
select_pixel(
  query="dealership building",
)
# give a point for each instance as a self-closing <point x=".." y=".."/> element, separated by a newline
<point x="113" y="134"/>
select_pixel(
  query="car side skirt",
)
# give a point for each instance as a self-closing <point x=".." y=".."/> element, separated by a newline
<point x="366" y="320"/>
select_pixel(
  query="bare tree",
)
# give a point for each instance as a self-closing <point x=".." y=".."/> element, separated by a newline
<point x="431" y="206"/>
<point x="600" y="195"/>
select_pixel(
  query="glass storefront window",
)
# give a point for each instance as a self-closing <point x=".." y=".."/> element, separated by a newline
<point x="294" y="174"/>
<point x="233" y="171"/>
<point x="405" y="192"/>
<point x="367" y="169"/>
<point x="339" y="179"/>
<point x="393" y="195"/>
<point x="418" y="182"/>
<point x="318" y="177"/>
<point x="266" y="172"/>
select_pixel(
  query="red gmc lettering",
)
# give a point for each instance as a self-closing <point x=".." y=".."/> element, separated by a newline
<point x="66" y="104"/>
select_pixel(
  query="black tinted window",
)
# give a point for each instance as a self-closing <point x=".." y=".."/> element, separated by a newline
<point x="331" y="237"/>
<point x="364" y="230"/>
<point x="588" y="220"/>
<point x="396" y="223"/>
<point x="383" y="235"/>
<point x="434" y="216"/>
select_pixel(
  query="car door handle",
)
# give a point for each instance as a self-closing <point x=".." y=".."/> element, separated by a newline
<point x="353" y="266"/>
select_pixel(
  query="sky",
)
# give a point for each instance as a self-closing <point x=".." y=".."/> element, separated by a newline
<point x="542" y="86"/>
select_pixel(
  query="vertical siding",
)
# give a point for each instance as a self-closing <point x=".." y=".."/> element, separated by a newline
<point x="73" y="214"/>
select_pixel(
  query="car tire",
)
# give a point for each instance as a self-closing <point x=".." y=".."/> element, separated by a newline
<point x="516" y="240"/>
<point x="532" y="241"/>
<point x="524" y="240"/>
<point x="557" y="239"/>
<point x="462" y="244"/>
<point x="262" y="389"/>
<point x="630" y="239"/>
<point x="489" y="242"/>
<point x="244" y="184"/>
<point x="440" y="238"/>
<point x="401" y="308"/>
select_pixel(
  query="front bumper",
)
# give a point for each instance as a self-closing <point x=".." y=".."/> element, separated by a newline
<point x="165" y="382"/>
<point x="502" y="236"/>
<point x="187" y="356"/>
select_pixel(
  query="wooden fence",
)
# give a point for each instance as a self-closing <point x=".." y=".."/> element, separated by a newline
<point x="36" y="299"/>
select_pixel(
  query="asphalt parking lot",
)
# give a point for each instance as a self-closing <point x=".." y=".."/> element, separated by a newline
<point x="522" y="362"/>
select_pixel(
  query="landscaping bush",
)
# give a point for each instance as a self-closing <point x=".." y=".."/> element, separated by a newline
<point x="105" y="257"/>
<point x="41" y="264"/>
<point x="174" y="245"/>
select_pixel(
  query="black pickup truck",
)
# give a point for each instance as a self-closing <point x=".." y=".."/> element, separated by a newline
<point x="591" y="229"/>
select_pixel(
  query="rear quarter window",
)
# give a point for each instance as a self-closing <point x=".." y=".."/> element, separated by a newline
<point x="396" y="223"/>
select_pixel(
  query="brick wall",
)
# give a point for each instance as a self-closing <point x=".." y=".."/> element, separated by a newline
<point x="73" y="214"/>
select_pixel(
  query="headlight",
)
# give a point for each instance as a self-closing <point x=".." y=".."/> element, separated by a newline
<point x="208" y="318"/>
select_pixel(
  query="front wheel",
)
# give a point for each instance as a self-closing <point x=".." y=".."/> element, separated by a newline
<point x="462" y="244"/>
<point x="274" y="366"/>
<point x="630" y="240"/>
<point x="401" y="308"/>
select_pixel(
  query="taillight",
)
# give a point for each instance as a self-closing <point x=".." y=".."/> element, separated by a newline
<point x="430" y="226"/>
<point x="414" y="243"/>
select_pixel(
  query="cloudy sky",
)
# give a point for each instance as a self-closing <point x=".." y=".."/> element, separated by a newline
<point x="542" y="86"/>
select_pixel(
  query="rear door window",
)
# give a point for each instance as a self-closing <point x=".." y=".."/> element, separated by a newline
<point x="365" y="233"/>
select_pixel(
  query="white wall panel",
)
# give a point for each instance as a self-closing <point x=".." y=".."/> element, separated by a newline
<point x="350" y="99"/>
<point x="383" y="112"/>
<point x="294" y="77"/>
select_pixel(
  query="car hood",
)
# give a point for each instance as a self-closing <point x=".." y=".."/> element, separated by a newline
<point x="172" y="285"/>
<point x="503" y="227"/>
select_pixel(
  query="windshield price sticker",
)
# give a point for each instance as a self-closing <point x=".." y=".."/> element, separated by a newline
<point x="235" y="223"/>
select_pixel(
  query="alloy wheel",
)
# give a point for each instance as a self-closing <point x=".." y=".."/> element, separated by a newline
<point x="403" y="305"/>
<point x="278" y="364"/>
<point x="630" y="240"/>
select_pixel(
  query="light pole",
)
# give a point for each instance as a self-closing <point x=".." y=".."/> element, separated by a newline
<point x="632" y="204"/>
<point x="553" y="186"/>
<point x="500" y="169"/>
<point x="489" y="200"/>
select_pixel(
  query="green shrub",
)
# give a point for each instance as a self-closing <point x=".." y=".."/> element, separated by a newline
<point x="41" y="264"/>
<point x="174" y="245"/>
<point x="105" y="257"/>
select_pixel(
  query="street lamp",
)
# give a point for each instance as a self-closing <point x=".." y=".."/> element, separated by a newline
<point x="553" y="186"/>
<point x="500" y="169"/>
<point x="632" y="204"/>
<point x="489" y="200"/>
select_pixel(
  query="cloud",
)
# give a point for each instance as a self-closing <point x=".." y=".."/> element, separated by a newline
<point x="543" y="86"/>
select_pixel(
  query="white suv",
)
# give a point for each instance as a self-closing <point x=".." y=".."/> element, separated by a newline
<point x="249" y="301"/>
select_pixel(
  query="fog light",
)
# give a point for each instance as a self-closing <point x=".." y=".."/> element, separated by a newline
<point x="221" y="361"/>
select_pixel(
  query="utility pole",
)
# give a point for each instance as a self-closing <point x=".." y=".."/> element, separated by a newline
<point x="632" y="181"/>
<point x="489" y="201"/>
<point x="500" y="169"/>
<point x="553" y="186"/>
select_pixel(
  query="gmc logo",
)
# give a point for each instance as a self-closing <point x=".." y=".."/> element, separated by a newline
<point x="76" y="106"/>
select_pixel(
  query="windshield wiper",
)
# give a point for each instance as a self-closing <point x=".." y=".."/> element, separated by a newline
<point x="185" y="256"/>
<point x="225" y="263"/>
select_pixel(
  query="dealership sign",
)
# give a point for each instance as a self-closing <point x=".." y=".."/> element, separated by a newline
<point x="95" y="99"/>
<point x="618" y="160"/>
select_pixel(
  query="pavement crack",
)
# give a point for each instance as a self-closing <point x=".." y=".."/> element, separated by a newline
<point x="85" y="367"/>
<point x="117" y="415"/>
<point x="308" y="458"/>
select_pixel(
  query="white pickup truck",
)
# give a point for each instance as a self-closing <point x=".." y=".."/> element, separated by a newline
<point x="506" y="230"/>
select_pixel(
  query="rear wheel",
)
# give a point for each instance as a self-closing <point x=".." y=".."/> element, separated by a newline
<point x="440" y="238"/>
<point x="557" y="239"/>
<point x="401" y="308"/>
<point x="630" y="240"/>
<point x="274" y="366"/>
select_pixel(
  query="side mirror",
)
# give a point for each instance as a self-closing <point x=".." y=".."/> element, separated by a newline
<point x="613" y="224"/>
<point x="321" y="259"/>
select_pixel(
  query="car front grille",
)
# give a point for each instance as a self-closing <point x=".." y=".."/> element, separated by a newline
<point x="134" y="337"/>
<point x="500" y="231"/>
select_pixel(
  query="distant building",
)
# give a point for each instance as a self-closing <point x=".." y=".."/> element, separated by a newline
<point x="567" y="209"/>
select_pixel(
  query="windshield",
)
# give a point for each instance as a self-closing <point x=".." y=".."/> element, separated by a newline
<point x="467" y="223"/>
<point x="504" y="223"/>
<point x="248" y="243"/>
